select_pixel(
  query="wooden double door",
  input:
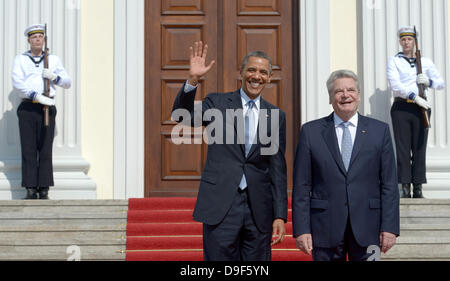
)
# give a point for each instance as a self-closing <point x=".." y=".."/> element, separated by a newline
<point x="231" y="28"/>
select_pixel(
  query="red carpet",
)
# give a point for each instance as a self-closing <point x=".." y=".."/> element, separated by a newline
<point x="162" y="229"/>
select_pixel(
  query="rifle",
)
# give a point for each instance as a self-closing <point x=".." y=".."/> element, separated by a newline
<point x="426" y="118"/>
<point x="46" y="81"/>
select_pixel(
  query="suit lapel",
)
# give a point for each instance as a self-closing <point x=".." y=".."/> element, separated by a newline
<point x="360" y="138"/>
<point x="330" y="138"/>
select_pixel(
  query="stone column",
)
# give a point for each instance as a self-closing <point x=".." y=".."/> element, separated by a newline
<point x="129" y="68"/>
<point x="314" y="58"/>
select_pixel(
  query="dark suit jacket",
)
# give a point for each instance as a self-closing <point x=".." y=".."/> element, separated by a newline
<point x="325" y="195"/>
<point x="226" y="163"/>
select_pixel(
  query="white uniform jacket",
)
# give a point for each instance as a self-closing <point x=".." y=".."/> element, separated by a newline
<point x="402" y="75"/>
<point x="27" y="77"/>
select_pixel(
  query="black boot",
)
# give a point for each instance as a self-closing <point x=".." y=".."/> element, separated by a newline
<point x="406" y="190"/>
<point x="43" y="193"/>
<point x="417" y="191"/>
<point x="31" y="193"/>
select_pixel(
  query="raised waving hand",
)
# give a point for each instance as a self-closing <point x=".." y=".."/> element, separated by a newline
<point x="198" y="66"/>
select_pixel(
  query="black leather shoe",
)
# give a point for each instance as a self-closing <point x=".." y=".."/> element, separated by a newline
<point x="406" y="190"/>
<point x="417" y="191"/>
<point x="43" y="193"/>
<point x="31" y="194"/>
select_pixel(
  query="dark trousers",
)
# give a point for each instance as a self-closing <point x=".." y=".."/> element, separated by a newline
<point x="410" y="141"/>
<point x="36" y="143"/>
<point x="236" y="238"/>
<point x="348" y="247"/>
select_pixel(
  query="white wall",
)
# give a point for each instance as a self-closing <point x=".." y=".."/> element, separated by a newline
<point x="315" y="58"/>
<point x="343" y="35"/>
<point x="129" y="101"/>
<point x="97" y="92"/>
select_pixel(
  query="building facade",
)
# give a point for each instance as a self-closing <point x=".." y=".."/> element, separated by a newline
<point x="102" y="146"/>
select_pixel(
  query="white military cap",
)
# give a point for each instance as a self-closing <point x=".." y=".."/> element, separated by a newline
<point x="35" y="28"/>
<point x="407" y="31"/>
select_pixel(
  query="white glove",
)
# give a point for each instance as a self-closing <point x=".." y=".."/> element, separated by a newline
<point x="423" y="79"/>
<point x="422" y="102"/>
<point x="47" y="73"/>
<point x="40" y="98"/>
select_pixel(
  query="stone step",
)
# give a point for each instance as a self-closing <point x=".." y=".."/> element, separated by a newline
<point x="48" y="215"/>
<point x="419" y="248"/>
<point x="424" y="230"/>
<point x="421" y="211"/>
<point x="100" y="224"/>
<point x="62" y="238"/>
<point x="62" y="209"/>
<point x="424" y="201"/>
<point x="425" y="226"/>
<point x="424" y="214"/>
<point x="51" y="203"/>
<point x="64" y="203"/>
<point x="46" y="229"/>
<point x="426" y="247"/>
<point x="425" y="240"/>
<point x="424" y="220"/>
<point x="62" y="253"/>
<point x="67" y="225"/>
<point x="403" y="201"/>
<point x="424" y="208"/>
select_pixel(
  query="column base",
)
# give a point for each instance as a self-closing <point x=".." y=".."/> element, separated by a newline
<point x="71" y="181"/>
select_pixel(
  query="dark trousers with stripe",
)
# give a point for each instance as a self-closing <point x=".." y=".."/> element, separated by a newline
<point x="236" y="238"/>
<point x="37" y="144"/>
<point x="411" y="138"/>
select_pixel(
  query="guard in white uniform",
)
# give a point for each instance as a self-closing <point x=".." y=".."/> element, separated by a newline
<point x="406" y="112"/>
<point x="28" y="75"/>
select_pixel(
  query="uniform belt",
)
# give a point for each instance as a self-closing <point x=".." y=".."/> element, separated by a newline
<point x="30" y="100"/>
<point x="403" y="100"/>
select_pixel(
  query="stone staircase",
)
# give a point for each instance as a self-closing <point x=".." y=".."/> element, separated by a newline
<point x="90" y="230"/>
<point x="424" y="231"/>
<point x="86" y="230"/>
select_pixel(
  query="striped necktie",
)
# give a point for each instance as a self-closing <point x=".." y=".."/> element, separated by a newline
<point x="249" y="127"/>
<point x="249" y="135"/>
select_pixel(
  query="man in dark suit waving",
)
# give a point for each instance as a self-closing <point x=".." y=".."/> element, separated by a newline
<point x="242" y="199"/>
<point x="345" y="199"/>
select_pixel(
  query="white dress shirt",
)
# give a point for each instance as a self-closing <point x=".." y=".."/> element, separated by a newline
<point x="353" y="124"/>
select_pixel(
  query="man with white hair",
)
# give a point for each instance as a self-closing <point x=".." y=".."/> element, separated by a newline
<point x="407" y="118"/>
<point x="28" y="74"/>
<point x="345" y="201"/>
